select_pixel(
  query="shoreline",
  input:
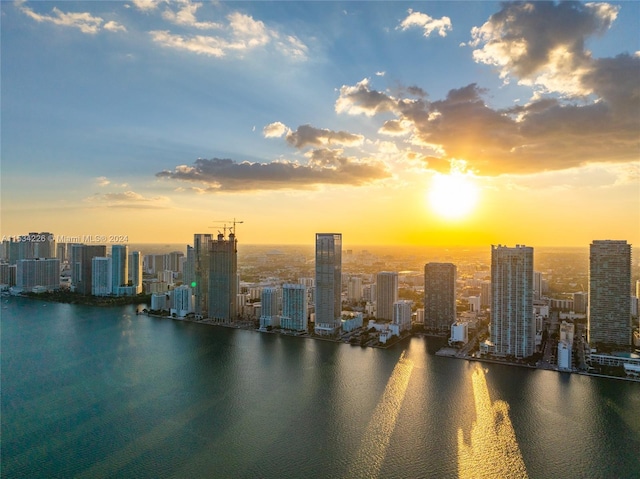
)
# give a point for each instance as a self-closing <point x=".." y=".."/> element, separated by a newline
<point x="528" y="366"/>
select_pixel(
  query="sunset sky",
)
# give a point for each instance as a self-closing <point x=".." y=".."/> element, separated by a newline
<point x="158" y="120"/>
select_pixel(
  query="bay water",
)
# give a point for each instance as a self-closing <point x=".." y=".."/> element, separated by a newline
<point x="102" y="392"/>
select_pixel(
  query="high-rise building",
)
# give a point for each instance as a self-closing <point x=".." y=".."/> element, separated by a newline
<point x="87" y="253"/>
<point x="328" y="304"/>
<point x="223" y="278"/>
<point x="182" y="301"/>
<point x="608" y="317"/>
<point x="102" y="276"/>
<point x="269" y="311"/>
<point x="189" y="272"/>
<point x="38" y="272"/>
<point x="119" y="266"/>
<point x="513" y="328"/>
<point x="402" y="314"/>
<point x="439" y="296"/>
<point x="294" y="307"/>
<point x="135" y="271"/>
<point x="485" y="294"/>
<point x="537" y="285"/>
<point x="386" y="294"/>
<point x="354" y="288"/>
<point x="580" y="302"/>
<point x="201" y="247"/>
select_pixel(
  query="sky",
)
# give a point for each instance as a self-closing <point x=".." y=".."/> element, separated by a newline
<point x="393" y="123"/>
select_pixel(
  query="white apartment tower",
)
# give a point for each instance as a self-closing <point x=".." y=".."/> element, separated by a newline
<point x="402" y="314"/>
<point x="512" y="328"/>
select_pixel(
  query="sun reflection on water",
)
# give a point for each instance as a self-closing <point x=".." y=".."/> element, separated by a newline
<point x="375" y="441"/>
<point x="493" y="449"/>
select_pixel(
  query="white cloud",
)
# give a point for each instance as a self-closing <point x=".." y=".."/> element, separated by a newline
<point x="241" y="33"/>
<point x="114" y="27"/>
<point x="186" y="16"/>
<point x="275" y="130"/>
<point x="83" y="21"/>
<point x="428" y="24"/>
<point x="145" y="5"/>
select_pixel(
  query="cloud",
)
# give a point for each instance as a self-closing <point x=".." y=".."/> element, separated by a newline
<point x="428" y="24"/>
<point x="360" y="98"/>
<point x="186" y="16"/>
<point x="127" y="199"/>
<point x="325" y="167"/>
<point x="145" y="5"/>
<point x="543" y="43"/>
<point x="275" y="130"/>
<point x="112" y="26"/>
<point x="102" y="181"/>
<point x="307" y="135"/>
<point x="240" y="34"/>
<point x="546" y="134"/>
<point x="83" y="21"/>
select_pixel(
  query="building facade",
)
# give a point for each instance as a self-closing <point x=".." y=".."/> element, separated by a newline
<point x="37" y="272"/>
<point x="223" y="278"/>
<point x="119" y="266"/>
<point x="294" y="307"/>
<point x="512" y="328"/>
<point x="102" y="276"/>
<point x="386" y="294"/>
<point x="328" y="283"/>
<point x="439" y="296"/>
<point x="609" y="313"/>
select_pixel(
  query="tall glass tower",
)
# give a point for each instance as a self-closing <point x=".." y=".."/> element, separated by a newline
<point x="513" y="328"/>
<point x="223" y="278"/>
<point x="119" y="266"/>
<point x="386" y="294"/>
<point x="439" y="296"/>
<point x="328" y="283"/>
<point x="609" y="316"/>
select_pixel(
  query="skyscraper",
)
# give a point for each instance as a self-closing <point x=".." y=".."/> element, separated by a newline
<point x="402" y="314"/>
<point x="269" y="307"/>
<point x="386" y="294"/>
<point x="512" y="328"/>
<point x="102" y="276"/>
<point x="201" y="246"/>
<point x="294" y="307"/>
<point x="135" y="271"/>
<point x="609" y="317"/>
<point x="119" y="266"/>
<point x="87" y="253"/>
<point x="223" y="278"/>
<point x="439" y="296"/>
<point x="44" y="272"/>
<point x="328" y="303"/>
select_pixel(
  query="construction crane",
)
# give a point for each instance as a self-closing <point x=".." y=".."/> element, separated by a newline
<point x="232" y="229"/>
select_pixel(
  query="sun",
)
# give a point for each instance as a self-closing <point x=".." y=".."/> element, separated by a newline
<point x="453" y="196"/>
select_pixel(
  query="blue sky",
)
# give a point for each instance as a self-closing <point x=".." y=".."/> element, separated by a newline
<point x="107" y="106"/>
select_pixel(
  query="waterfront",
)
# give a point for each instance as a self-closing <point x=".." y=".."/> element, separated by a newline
<point x="101" y="392"/>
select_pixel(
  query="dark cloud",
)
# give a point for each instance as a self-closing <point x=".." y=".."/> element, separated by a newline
<point x="525" y="38"/>
<point x="307" y="135"/>
<point x="325" y="167"/>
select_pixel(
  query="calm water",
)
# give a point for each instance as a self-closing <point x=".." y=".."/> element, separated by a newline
<point x="90" y="392"/>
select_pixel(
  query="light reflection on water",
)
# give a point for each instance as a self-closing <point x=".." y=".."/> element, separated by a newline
<point x="370" y="456"/>
<point x="492" y="450"/>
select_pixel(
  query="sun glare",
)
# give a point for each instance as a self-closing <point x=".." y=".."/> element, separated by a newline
<point x="453" y="196"/>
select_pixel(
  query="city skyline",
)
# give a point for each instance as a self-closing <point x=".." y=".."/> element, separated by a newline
<point x="152" y="120"/>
